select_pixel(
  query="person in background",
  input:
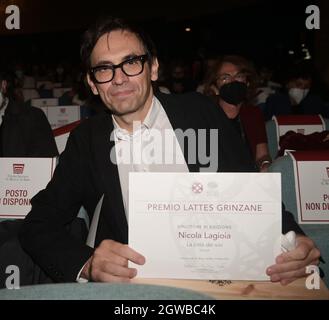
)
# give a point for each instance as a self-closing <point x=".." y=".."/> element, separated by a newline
<point x="232" y="84"/>
<point x="62" y="74"/>
<point x="24" y="131"/>
<point x="209" y="65"/>
<point x="180" y="80"/>
<point x="297" y="97"/>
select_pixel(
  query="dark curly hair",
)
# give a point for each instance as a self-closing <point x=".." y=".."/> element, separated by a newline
<point x="106" y="25"/>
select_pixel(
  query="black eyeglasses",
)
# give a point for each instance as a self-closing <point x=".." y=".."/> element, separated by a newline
<point x="130" y="67"/>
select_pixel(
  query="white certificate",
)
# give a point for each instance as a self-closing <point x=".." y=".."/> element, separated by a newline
<point x="205" y="225"/>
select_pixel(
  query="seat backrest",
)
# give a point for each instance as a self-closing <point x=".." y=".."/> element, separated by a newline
<point x="304" y="122"/>
<point x="46" y="102"/>
<point x="317" y="232"/>
<point x="45" y="85"/>
<point x="30" y="94"/>
<point x="59" y="116"/>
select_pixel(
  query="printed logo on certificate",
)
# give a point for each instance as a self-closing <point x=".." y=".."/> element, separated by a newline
<point x="205" y="225"/>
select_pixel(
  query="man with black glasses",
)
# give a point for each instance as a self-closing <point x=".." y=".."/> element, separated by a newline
<point x="121" y="63"/>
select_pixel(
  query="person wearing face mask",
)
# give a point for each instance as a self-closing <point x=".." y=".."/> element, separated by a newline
<point x="120" y="64"/>
<point x="232" y="84"/>
<point x="297" y="96"/>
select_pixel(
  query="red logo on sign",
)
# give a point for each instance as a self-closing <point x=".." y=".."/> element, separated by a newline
<point x="197" y="187"/>
<point x="18" y="168"/>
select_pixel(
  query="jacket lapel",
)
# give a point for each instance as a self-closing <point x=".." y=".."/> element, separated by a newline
<point x="177" y="118"/>
<point x="112" y="217"/>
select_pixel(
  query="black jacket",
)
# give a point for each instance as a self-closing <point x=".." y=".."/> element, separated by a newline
<point x="85" y="172"/>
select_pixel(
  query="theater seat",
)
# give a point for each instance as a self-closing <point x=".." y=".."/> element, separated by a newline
<point x="11" y="252"/>
<point x="272" y="134"/>
<point x="99" y="291"/>
<point x="319" y="233"/>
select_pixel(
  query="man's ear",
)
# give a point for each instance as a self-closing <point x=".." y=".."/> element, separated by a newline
<point x="154" y="69"/>
<point x="92" y="85"/>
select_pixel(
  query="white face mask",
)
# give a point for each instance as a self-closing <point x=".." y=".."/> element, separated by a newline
<point x="297" y="94"/>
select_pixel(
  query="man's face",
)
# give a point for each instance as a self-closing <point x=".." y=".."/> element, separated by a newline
<point x="123" y="94"/>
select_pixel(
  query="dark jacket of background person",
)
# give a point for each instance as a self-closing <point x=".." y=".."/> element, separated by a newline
<point x="85" y="173"/>
<point x="25" y="132"/>
<point x="280" y="104"/>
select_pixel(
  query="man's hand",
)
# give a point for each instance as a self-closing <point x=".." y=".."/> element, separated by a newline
<point x="292" y="265"/>
<point x="109" y="263"/>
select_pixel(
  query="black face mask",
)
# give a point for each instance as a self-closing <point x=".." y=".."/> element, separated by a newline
<point x="234" y="92"/>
